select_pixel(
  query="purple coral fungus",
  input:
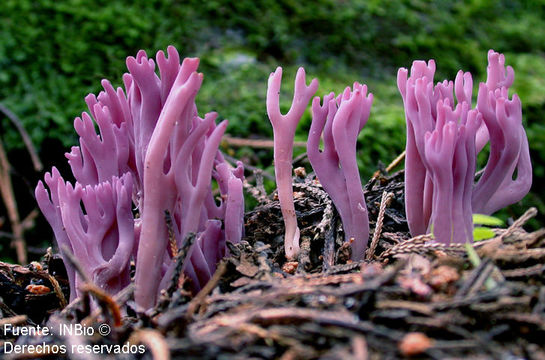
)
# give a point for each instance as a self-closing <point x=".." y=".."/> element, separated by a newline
<point x="156" y="151"/>
<point x="340" y="120"/>
<point x="429" y="153"/>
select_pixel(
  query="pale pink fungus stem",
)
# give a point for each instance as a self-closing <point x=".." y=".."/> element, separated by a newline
<point x="284" y="133"/>
<point x="152" y="238"/>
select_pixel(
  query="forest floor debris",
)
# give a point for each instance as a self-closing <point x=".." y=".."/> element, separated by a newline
<point x="410" y="298"/>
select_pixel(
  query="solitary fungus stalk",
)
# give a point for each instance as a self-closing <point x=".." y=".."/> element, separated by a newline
<point x="340" y="120"/>
<point x="152" y="150"/>
<point x="284" y="132"/>
<point x="436" y="131"/>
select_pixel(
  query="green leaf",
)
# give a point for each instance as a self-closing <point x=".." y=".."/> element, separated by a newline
<point x="487" y="220"/>
<point x="476" y="261"/>
<point x="482" y="233"/>
<point x="472" y="255"/>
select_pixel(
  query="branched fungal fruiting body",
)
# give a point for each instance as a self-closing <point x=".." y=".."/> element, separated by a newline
<point x="340" y="120"/>
<point x="440" y="193"/>
<point x="165" y="156"/>
<point x="284" y="132"/>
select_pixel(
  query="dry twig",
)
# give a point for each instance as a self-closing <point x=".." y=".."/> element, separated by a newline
<point x="255" y="143"/>
<point x="198" y="300"/>
<point x="386" y="199"/>
<point x="105" y="300"/>
<point x="154" y="340"/>
<point x="8" y="196"/>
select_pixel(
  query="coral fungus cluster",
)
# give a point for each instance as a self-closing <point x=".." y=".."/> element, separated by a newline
<point x="145" y="181"/>
<point x="443" y="140"/>
<point x="153" y="151"/>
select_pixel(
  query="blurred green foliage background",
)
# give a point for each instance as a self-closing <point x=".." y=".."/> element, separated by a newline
<point x="54" y="52"/>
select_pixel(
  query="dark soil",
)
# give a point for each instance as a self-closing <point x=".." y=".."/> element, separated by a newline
<point x="411" y="298"/>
